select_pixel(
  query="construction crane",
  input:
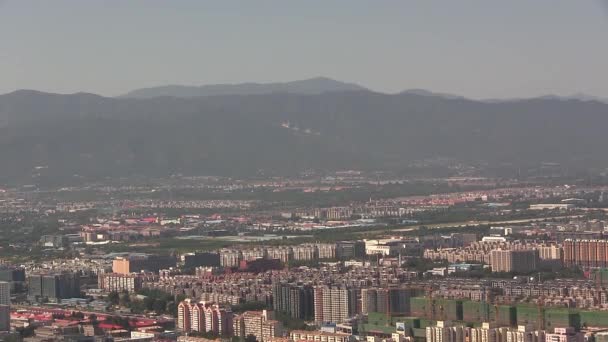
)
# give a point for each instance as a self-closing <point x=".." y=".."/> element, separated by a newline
<point x="540" y="304"/>
<point x="496" y="303"/>
<point x="432" y="300"/>
<point x="598" y="285"/>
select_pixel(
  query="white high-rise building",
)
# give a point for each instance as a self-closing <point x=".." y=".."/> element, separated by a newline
<point x="331" y="304"/>
<point x="444" y="331"/>
<point x="523" y="334"/>
<point x="486" y="333"/>
<point x="203" y="317"/>
<point x="565" y="335"/>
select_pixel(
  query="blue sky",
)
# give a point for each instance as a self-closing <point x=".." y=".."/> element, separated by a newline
<point x="476" y="48"/>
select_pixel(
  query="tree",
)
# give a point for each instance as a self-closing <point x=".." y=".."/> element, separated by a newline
<point x="93" y="319"/>
<point x="250" y="338"/>
<point x="180" y="298"/>
<point x="124" y="299"/>
<point x="26" y="331"/>
<point x="210" y="335"/>
<point x="118" y="320"/>
<point x="172" y="308"/>
<point x="289" y="322"/>
<point x="160" y="305"/>
<point x="149" y="303"/>
<point x="249" y="306"/>
<point x="77" y="315"/>
<point x="114" y="298"/>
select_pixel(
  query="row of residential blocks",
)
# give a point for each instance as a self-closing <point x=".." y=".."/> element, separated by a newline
<point x="344" y="213"/>
<point x="232" y="257"/>
<point x="204" y="317"/>
<point x="586" y="253"/>
<point x="502" y="256"/>
<point x="337" y="304"/>
<point x="294" y="336"/>
<point x="444" y="331"/>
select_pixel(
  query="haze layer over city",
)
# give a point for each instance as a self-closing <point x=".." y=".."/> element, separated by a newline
<point x="273" y="171"/>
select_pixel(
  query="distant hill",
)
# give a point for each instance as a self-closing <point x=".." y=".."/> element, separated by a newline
<point x="424" y="92"/>
<point x="579" y="97"/>
<point x="311" y="86"/>
<point x="85" y="135"/>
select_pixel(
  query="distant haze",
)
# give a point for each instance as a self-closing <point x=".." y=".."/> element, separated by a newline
<point x="477" y="48"/>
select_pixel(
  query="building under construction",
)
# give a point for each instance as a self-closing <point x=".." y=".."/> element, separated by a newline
<point x="474" y="312"/>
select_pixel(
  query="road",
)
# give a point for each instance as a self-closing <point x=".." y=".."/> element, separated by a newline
<point x="482" y="223"/>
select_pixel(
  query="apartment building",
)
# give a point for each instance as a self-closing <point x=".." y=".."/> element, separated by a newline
<point x="521" y="261"/>
<point x="204" y="317"/>
<point x="117" y="282"/>
<point x="585" y="253"/>
<point x="333" y="304"/>
<point x="444" y="331"/>
<point x="318" y="336"/>
<point x="259" y="324"/>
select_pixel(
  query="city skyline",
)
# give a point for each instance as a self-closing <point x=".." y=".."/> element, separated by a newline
<point x="327" y="171"/>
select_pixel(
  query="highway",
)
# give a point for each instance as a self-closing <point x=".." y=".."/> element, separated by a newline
<point x="483" y="223"/>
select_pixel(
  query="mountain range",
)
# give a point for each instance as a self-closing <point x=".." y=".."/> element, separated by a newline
<point x="60" y="137"/>
<point x="311" y="86"/>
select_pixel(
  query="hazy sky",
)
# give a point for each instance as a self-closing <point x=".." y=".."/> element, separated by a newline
<point x="476" y="48"/>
